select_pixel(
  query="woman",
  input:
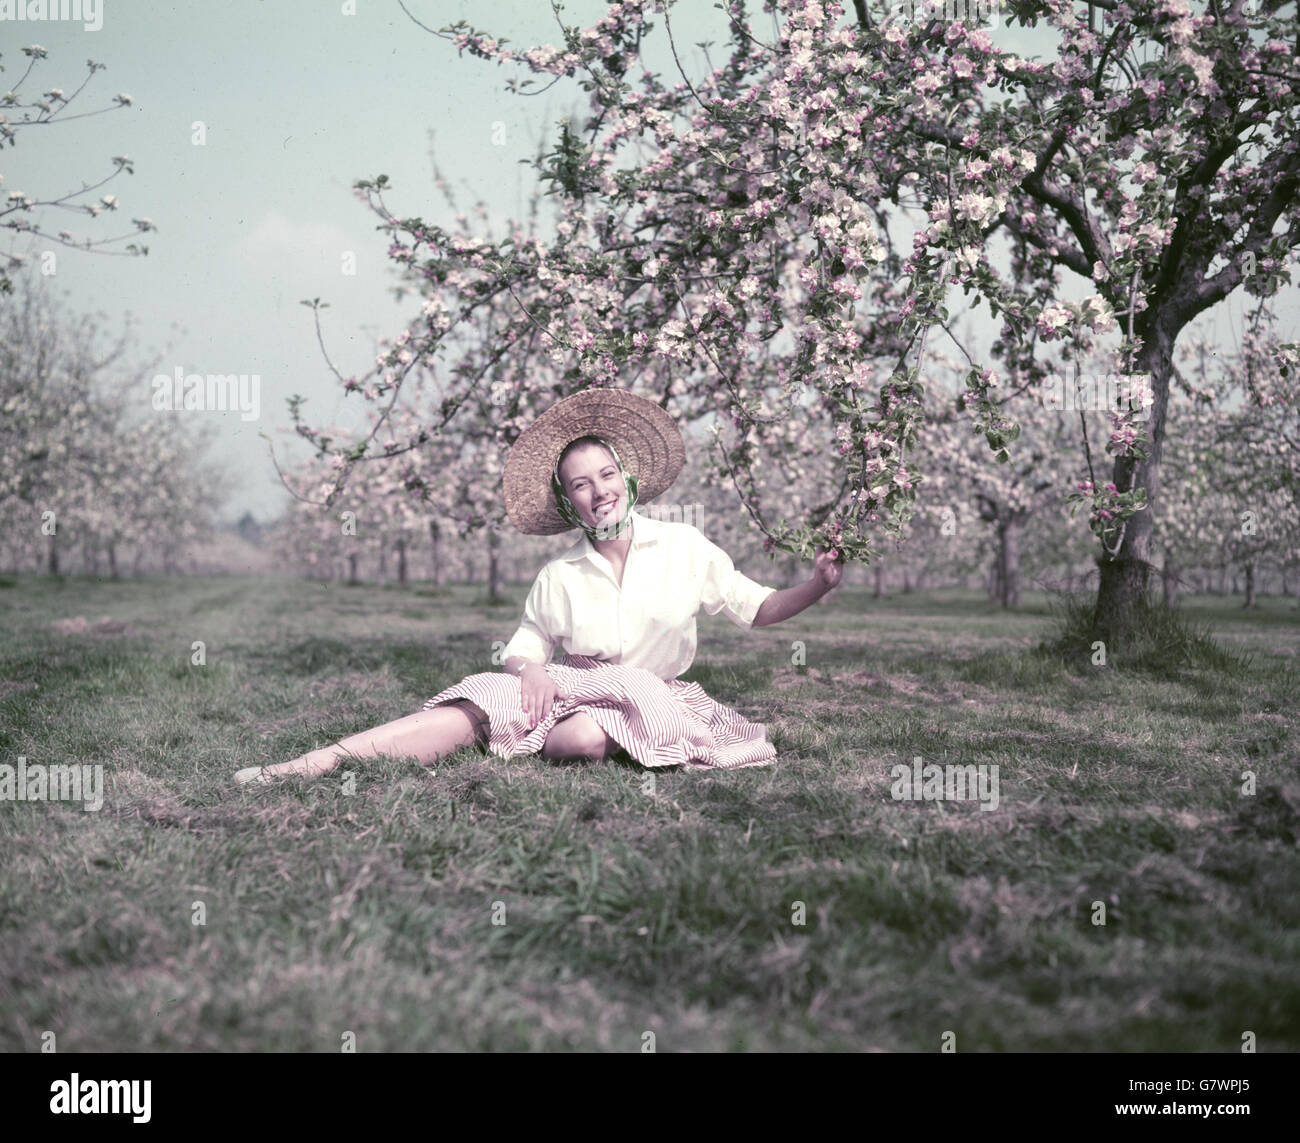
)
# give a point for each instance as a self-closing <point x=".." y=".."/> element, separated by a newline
<point x="621" y="603"/>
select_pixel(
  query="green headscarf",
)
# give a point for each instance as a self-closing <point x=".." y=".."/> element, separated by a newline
<point x="570" y="514"/>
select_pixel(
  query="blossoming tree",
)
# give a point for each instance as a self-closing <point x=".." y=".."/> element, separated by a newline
<point x="79" y="464"/>
<point x="724" y="239"/>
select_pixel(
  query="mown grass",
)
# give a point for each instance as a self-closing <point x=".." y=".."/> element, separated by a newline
<point x="372" y="911"/>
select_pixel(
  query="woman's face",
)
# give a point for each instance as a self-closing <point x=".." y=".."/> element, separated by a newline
<point x="595" y="486"/>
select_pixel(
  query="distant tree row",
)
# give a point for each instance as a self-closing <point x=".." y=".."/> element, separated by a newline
<point x="90" y="477"/>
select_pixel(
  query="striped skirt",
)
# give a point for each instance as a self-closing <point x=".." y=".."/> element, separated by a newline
<point x="658" y="723"/>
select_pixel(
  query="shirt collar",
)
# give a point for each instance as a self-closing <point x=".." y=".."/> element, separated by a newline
<point x="645" y="531"/>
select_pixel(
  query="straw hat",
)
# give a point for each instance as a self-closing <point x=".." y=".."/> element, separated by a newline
<point x="648" y="442"/>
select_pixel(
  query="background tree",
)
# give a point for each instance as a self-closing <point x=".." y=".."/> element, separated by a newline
<point x="84" y="461"/>
<point x="1232" y="488"/>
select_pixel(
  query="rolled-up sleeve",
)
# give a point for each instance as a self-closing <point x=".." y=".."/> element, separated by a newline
<point x="725" y="589"/>
<point x="539" y="630"/>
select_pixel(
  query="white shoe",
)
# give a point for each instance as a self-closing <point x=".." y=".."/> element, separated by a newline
<point x="253" y="774"/>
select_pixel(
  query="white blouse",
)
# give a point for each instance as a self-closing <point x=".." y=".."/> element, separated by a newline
<point x="672" y="570"/>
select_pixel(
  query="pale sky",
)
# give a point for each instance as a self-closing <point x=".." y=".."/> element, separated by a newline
<point x="297" y="100"/>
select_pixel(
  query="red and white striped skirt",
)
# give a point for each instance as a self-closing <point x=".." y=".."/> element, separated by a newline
<point x="658" y="723"/>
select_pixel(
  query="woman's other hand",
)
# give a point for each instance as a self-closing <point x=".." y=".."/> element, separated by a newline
<point x="537" y="692"/>
<point x="828" y="568"/>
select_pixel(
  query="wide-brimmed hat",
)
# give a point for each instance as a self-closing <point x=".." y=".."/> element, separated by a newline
<point x="646" y="438"/>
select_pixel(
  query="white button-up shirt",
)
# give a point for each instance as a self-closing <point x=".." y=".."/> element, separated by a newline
<point x="672" y="570"/>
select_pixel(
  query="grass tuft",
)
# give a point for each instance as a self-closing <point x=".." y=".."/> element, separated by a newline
<point x="1165" y="642"/>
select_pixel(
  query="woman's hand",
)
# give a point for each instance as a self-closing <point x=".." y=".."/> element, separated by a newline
<point x="827" y="568"/>
<point x="537" y="692"/>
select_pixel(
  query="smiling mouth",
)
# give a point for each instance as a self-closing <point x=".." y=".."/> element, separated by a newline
<point x="601" y="508"/>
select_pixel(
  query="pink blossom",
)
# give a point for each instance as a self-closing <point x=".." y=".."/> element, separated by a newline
<point x="1053" y="318"/>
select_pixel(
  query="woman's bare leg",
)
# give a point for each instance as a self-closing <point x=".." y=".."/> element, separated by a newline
<point x="426" y="735"/>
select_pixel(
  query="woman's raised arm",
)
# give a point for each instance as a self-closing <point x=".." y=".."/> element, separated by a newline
<point x="792" y="600"/>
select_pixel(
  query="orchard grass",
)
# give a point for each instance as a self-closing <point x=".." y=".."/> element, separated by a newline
<point x="372" y="911"/>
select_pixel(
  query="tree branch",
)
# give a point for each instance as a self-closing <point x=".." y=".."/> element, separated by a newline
<point x="1282" y="171"/>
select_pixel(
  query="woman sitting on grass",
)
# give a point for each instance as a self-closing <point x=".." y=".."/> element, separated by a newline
<point x="621" y="603"/>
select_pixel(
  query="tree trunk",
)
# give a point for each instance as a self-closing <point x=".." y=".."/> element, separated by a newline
<point x="880" y="582"/>
<point x="139" y="559"/>
<point x="1124" y="581"/>
<point x="1008" y="563"/>
<point x="494" y="566"/>
<point x="1121" y="599"/>
<point x="907" y="581"/>
<point x="52" y="555"/>
<point x="1169" y="579"/>
<point x="1250" y="584"/>
<point x="435" y="534"/>
<point x="352" y="568"/>
<point x="383" y="562"/>
<point x="401" y="560"/>
<point x="112" y="560"/>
